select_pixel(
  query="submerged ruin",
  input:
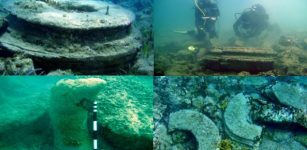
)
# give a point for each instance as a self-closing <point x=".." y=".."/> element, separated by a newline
<point x="240" y="59"/>
<point x="89" y="37"/>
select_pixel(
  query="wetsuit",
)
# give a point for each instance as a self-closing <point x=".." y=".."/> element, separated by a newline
<point x="252" y="22"/>
<point x="206" y="24"/>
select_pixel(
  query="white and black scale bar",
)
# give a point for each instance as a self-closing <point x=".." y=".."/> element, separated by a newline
<point x="95" y="127"/>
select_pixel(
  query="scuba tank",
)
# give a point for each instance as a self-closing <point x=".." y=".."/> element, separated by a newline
<point x="252" y="22"/>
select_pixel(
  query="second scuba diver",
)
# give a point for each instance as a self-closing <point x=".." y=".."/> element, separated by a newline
<point x="252" y="22"/>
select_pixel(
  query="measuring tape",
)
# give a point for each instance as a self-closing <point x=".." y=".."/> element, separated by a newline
<point x="95" y="127"/>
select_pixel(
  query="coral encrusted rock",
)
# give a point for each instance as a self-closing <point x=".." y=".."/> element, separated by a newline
<point x="162" y="141"/>
<point x="125" y="113"/>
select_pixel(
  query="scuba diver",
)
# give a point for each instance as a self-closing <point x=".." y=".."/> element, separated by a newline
<point x="206" y="15"/>
<point x="251" y="22"/>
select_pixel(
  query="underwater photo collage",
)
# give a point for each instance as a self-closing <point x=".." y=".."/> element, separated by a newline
<point x="153" y="75"/>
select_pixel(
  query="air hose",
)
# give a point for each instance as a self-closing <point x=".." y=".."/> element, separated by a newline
<point x="197" y="6"/>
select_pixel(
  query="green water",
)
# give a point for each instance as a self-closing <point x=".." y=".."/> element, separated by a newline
<point x="172" y="15"/>
<point x="29" y="121"/>
<point x="181" y="50"/>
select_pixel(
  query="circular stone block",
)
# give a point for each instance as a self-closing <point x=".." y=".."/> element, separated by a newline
<point x="204" y="130"/>
<point x="237" y="121"/>
<point x="89" y="59"/>
<point x="88" y="37"/>
<point x="71" y="14"/>
<point x="290" y="95"/>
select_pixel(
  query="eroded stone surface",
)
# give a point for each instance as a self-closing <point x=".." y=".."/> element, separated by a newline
<point x="71" y="99"/>
<point x="3" y="22"/>
<point x="268" y="144"/>
<point x="72" y="34"/>
<point x="291" y="95"/>
<point x="253" y="83"/>
<point x="238" y="123"/>
<point x="71" y="14"/>
<point x="125" y="113"/>
<point x="239" y="59"/>
<point x="18" y="65"/>
<point x="98" y="56"/>
<point x="162" y="141"/>
<point x="204" y="130"/>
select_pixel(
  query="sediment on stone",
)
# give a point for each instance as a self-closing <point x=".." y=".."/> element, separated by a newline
<point x="239" y="59"/>
<point x="125" y="114"/>
<point x="290" y="95"/>
<point x="75" y="39"/>
<point x="276" y="114"/>
<point x="70" y="102"/>
<point x="237" y="122"/>
<point x="204" y="130"/>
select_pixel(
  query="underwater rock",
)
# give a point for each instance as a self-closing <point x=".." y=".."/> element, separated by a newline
<point x="290" y="60"/>
<point x="162" y="141"/>
<point x="199" y="102"/>
<point x="238" y="123"/>
<point x="271" y="113"/>
<point x="213" y="91"/>
<point x="125" y="113"/>
<point x="18" y="65"/>
<point x="2" y="66"/>
<point x="279" y="135"/>
<point x="301" y="138"/>
<point x="210" y="108"/>
<point x="239" y="59"/>
<point x="71" y="14"/>
<point x="287" y="41"/>
<point x="291" y="95"/>
<point x="75" y="35"/>
<point x="22" y="111"/>
<point x="204" y="130"/>
<point x="159" y="108"/>
<point x="28" y="136"/>
<point x="253" y="84"/>
<point x="3" y="23"/>
<point x="267" y="144"/>
<point x="144" y="66"/>
<point x="60" y="73"/>
<point x="70" y="102"/>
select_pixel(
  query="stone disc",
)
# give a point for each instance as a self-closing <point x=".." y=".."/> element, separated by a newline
<point x="110" y="55"/>
<point x="71" y="14"/>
